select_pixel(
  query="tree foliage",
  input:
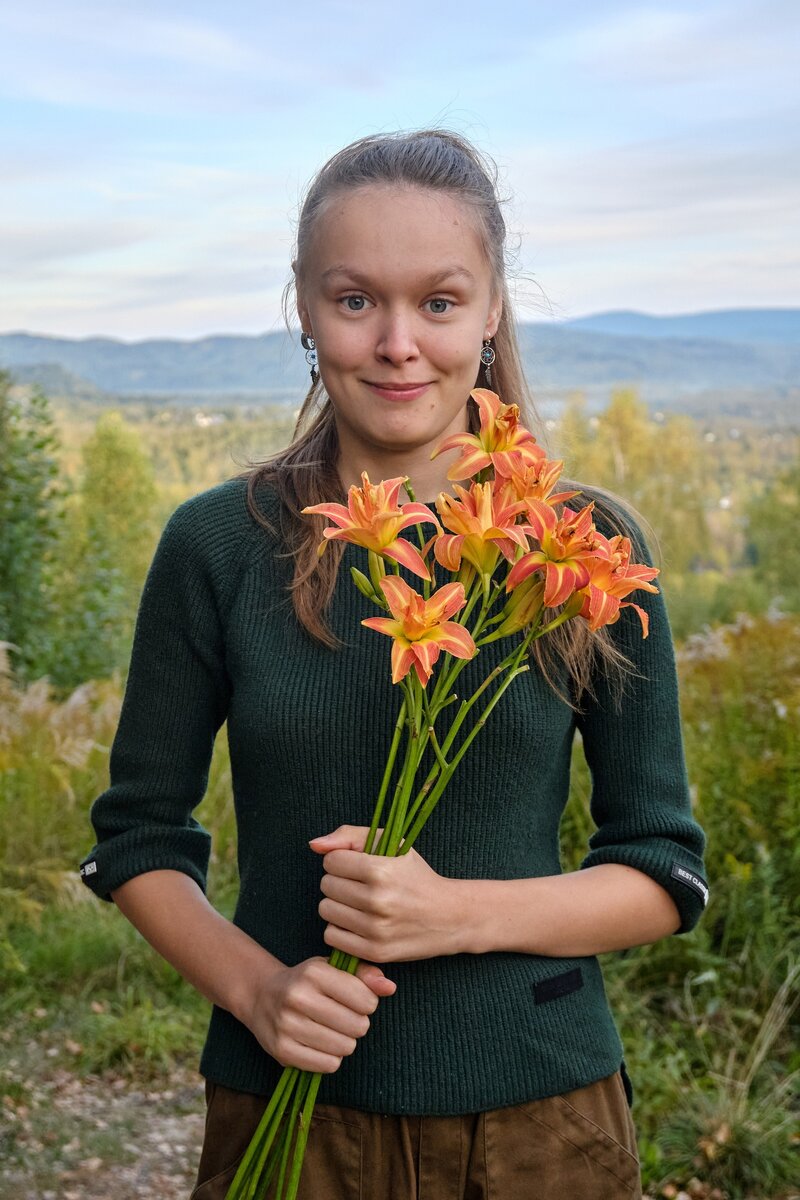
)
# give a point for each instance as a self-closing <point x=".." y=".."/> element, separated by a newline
<point x="773" y="545"/>
<point x="31" y="514"/>
<point x="657" y="466"/>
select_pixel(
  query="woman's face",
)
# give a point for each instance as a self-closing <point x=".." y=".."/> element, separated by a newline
<point x="397" y="291"/>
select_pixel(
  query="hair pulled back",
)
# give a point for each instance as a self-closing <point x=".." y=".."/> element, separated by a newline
<point x="305" y="472"/>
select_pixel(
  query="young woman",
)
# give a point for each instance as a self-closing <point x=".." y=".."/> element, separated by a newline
<point x="473" y="1054"/>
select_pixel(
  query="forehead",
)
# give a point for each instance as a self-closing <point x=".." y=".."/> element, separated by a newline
<point x="398" y="229"/>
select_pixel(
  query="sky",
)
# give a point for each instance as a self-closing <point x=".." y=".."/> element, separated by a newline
<point x="154" y="155"/>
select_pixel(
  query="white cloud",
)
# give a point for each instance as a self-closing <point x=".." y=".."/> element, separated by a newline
<point x="76" y="56"/>
<point x="34" y="245"/>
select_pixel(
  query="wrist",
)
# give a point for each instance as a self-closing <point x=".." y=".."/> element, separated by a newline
<point x="467" y="918"/>
<point x="244" y="984"/>
<point x="489" y="915"/>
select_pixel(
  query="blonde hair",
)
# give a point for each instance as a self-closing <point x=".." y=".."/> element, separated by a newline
<point x="305" y="472"/>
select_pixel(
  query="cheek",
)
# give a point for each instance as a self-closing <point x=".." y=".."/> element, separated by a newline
<point x="343" y="353"/>
<point x="458" y="353"/>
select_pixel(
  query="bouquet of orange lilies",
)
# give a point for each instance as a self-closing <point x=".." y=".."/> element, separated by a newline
<point x="553" y="568"/>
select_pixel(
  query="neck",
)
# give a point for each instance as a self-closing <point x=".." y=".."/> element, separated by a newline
<point x="428" y="477"/>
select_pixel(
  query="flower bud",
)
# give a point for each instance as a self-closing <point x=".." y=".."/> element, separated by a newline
<point x="523" y="606"/>
<point x="365" y="587"/>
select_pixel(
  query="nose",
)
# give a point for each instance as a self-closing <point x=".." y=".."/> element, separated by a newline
<point x="396" y="338"/>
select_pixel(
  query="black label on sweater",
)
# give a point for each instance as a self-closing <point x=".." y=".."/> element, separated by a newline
<point x="559" y="985"/>
<point x="691" y="880"/>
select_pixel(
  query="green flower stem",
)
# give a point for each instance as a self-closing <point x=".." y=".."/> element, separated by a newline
<point x="435" y="769"/>
<point x="263" y="1169"/>
<point x="559" y="620"/>
<point x="264" y="1135"/>
<point x="451" y="670"/>
<point x="458" y="666"/>
<point x="474" y="594"/>
<point x="452" y="666"/>
<point x="431" y="791"/>
<point x="432" y="733"/>
<point x="398" y="731"/>
<point x="392" y="827"/>
<point x="287" y="1141"/>
<point x="466" y="705"/>
<point x="433" y="775"/>
<point x="491" y="637"/>
<point x="302" y="1137"/>
<point x="271" y="1129"/>
<point x="264" y="1165"/>
<point x="444" y="778"/>
<point x="415" y="749"/>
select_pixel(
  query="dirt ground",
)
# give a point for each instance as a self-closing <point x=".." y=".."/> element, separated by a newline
<point x="101" y="1139"/>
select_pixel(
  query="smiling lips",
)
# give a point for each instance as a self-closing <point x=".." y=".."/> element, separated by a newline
<point x="394" y="391"/>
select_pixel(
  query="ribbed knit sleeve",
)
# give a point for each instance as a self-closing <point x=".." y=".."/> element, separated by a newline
<point x="176" y="698"/>
<point x="640" y="791"/>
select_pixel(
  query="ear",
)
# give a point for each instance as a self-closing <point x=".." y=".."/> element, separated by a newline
<point x="493" y="316"/>
<point x="302" y="308"/>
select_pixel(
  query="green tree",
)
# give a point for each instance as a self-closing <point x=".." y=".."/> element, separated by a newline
<point x="120" y="500"/>
<point x="659" y="467"/>
<point x="111" y="529"/>
<point x="773" y="546"/>
<point x="574" y="434"/>
<point x="31" y="514"/>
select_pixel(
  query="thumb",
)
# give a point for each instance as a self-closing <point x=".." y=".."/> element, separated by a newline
<point x="372" y="975"/>
<point x="346" y="837"/>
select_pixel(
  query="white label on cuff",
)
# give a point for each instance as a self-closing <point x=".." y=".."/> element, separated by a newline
<point x="89" y="869"/>
<point x="691" y="880"/>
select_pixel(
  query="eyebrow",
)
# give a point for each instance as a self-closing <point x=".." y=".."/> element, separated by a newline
<point x="434" y="280"/>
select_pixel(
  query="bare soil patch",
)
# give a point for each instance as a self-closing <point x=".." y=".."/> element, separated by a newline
<point x="101" y="1138"/>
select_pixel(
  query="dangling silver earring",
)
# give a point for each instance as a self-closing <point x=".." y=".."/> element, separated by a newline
<point x="310" y="347"/>
<point x="487" y="358"/>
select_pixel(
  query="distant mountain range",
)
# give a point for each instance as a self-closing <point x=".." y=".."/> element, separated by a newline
<point x="776" y="325"/>
<point x="731" y="359"/>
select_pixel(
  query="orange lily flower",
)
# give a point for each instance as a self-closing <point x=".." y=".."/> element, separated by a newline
<point x="482" y="525"/>
<point x="566" y="543"/>
<point x="612" y="578"/>
<point x="501" y="434"/>
<point x="420" y="627"/>
<point x="373" y="519"/>
<point x="535" y="481"/>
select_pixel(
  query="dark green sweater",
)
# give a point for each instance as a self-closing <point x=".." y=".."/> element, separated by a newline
<point x="309" y="731"/>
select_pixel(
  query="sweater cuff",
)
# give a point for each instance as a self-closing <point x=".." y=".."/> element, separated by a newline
<point x="678" y="870"/>
<point x="136" y="851"/>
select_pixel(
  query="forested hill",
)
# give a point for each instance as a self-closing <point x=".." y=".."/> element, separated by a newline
<point x="728" y="356"/>
<point x="776" y="325"/>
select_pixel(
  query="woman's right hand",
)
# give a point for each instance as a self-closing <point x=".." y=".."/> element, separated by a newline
<point x="311" y="1015"/>
<point x="308" y="1016"/>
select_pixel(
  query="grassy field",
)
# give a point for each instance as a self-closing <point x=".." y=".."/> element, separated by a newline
<point x="100" y="1037"/>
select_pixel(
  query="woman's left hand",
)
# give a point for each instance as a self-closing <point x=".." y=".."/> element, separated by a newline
<point x="385" y="909"/>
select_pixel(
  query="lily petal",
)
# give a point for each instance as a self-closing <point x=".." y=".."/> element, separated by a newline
<point x="457" y="640"/>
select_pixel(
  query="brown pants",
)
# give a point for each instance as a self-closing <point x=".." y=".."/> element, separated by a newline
<point x="579" y="1144"/>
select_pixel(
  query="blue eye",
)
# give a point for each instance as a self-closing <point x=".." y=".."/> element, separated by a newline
<point x="359" y="299"/>
<point x="439" y="300"/>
